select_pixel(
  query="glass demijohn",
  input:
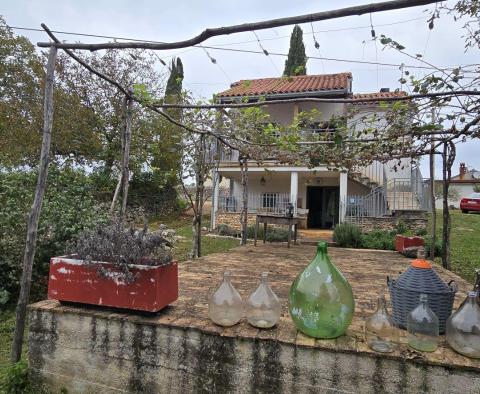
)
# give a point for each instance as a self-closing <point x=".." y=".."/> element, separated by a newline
<point x="463" y="328"/>
<point x="381" y="334"/>
<point x="226" y="306"/>
<point x="321" y="301"/>
<point x="263" y="307"/>
<point x="422" y="327"/>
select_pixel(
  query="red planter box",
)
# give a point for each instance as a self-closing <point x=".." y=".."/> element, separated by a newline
<point x="75" y="281"/>
<point x="402" y="242"/>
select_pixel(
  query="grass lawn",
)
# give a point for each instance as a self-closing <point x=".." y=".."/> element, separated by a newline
<point x="182" y="225"/>
<point x="465" y="242"/>
<point x="7" y="323"/>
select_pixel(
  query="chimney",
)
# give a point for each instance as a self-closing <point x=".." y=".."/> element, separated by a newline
<point x="463" y="170"/>
<point x="384" y="90"/>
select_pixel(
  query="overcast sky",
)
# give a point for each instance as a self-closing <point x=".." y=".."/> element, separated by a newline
<point x="346" y="38"/>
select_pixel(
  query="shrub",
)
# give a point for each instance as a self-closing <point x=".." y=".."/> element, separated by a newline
<point x="274" y="234"/>
<point x="428" y="246"/>
<point x="223" y="229"/>
<point x="68" y="208"/>
<point x="378" y="239"/>
<point x="401" y="227"/>
<point x="17" y="380"/>
<point x="347" y="235"/>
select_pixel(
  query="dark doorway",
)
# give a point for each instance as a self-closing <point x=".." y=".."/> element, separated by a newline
<point x="322" y="205"/>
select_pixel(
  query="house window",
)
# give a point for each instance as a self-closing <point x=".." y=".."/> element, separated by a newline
<point x="269" y="200"/>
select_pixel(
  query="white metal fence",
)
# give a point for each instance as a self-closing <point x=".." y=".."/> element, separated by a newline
<point x="270" y="202"/>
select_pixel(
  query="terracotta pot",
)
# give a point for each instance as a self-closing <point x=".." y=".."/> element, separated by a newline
<point x="402" y="242"/>
<point x="76" y="281"/>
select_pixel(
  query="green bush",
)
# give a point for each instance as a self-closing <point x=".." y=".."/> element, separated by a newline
<point x="378" y="239"/>
<point x="274" y="234"/>
<point x="347" y="235"/>
<point x="68" y="208"/>
<point x="223" y="229"/>
<point x="16" y="379"/>
<point x="428" y="246"/>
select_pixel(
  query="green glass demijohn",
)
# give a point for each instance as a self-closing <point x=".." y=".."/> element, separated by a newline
<point x="321" y="301"/>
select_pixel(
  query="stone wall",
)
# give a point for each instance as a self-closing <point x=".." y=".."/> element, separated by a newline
<point x="91" y="352"/>
<point x="232" y="219"/>
<point x="413" y="222"/>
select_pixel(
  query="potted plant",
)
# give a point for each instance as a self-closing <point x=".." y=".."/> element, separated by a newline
<point x="117" y="267"/>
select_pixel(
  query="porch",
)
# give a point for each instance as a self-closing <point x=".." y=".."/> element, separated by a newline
<point x="86" y="349"/>
<point x="321" y="197"/>
<point x="315" y="194"/>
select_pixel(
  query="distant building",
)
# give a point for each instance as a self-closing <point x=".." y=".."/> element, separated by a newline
<point x="461" y="185"/>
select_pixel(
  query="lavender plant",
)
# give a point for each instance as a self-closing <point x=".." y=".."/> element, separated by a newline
<point x="123" y="246"/>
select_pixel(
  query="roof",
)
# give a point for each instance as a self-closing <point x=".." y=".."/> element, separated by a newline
<point x="377" y="95"/>
<point x="290" y="85"/>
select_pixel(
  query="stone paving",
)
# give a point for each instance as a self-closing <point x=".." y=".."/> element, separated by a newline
<point x="366" y="270"/>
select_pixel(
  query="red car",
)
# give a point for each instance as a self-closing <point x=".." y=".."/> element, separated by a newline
<point x="471" y="203"/>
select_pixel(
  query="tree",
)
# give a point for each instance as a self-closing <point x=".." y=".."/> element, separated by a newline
<point x="296" y="63"/>
<point x="106" y="104"/>
<point x="21" y="74"/>
<point x="173" y="90"/>
<point x="197" y="161"/>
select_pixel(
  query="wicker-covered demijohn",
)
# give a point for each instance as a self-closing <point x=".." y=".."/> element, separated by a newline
<point x="421" y="278"/>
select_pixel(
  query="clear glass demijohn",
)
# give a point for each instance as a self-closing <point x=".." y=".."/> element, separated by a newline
<point x="263" y="306"/>
<point x="463" y="328"/>
<point x="381" y="334"/>
<point x="226" y="306"/>
<point x="422" y="327"/>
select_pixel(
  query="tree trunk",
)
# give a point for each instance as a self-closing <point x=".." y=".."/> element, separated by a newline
<point x="244" y="213"/>
<point x="126" y="156"/>
<point x="34" y="216"/>
<point x="117" y="192"/>
<point x="199" y="198"/>
<point x="194" y="253"/>
<point x="432" y="203"/>
<point x="118" y="188"/>
<point x="448" y="157"/>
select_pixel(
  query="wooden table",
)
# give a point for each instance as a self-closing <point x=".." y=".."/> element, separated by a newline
<point x="274" y="219"/>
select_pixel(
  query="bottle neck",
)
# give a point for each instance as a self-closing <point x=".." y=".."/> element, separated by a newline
<point x="264" y="278"/>
<point x="381" y="303"/>
<point x="322" y="248"/>
<point x="472" y="297"/>
<point x="226" y="276"/>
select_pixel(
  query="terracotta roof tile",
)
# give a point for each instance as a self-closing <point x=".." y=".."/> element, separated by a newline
<point x="282" y="85"/>
<point x="377" y="95"/>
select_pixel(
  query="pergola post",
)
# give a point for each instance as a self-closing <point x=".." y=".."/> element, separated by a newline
<point x="126" y="156"/>
<point x="343" y="196"/>
<point x="34" y="216"/>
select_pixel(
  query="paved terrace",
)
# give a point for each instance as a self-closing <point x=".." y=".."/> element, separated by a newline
<point x="366" y="270"/>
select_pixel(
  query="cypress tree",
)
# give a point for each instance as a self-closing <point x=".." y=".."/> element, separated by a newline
<point x="174" y="83"/>
<point x="296" y="63"/>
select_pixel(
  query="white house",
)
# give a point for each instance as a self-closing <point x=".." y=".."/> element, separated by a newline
<point x="322" y="196"/>
<point x="462" y="185"/>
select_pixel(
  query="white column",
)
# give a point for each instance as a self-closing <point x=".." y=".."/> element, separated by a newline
<point x="215" y="196"/>
<point x="294" y="190"/>
<point x="343" y="196"/>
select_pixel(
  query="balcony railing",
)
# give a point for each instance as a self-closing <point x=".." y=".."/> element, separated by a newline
<point x="268" y="202"/>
